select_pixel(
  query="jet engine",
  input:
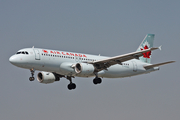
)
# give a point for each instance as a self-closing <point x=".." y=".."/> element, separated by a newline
<point x="84" y="69"/>
<point x="47" y="77"/>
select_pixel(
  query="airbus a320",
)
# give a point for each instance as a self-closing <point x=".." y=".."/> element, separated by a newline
<point x="56" y="64"/>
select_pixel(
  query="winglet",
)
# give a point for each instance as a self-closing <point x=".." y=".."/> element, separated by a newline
<point x="160" y="47"/>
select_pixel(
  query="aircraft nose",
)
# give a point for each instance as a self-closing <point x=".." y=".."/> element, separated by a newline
<point x="13" y="60"/>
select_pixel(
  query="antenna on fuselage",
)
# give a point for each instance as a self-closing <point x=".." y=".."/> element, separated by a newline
<point x="33" y="47"/>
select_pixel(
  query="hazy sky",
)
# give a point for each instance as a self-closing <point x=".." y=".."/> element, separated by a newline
<point x="106" y="27"/>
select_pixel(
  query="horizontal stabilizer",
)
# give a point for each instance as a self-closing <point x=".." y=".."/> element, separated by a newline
<point x="155" y="65"/>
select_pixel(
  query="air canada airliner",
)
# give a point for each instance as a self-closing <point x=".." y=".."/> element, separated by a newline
<point x="56" y="64"/>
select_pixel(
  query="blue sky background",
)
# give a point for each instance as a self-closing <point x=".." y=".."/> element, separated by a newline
<point x="96" y="27"/>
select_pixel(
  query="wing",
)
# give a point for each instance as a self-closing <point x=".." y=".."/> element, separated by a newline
<point x="105" y="63"/>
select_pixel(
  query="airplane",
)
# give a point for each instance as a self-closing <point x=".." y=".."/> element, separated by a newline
<point x="56" y="64"/>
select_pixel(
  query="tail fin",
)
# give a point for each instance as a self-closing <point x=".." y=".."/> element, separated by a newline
<point x="146" y="44"/>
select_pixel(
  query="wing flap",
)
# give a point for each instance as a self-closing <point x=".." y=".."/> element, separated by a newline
<point x="156" y="65"/>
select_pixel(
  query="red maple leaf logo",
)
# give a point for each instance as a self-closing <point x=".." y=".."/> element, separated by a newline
<point x="147" y="54"/>
<point x="45" y="51"/>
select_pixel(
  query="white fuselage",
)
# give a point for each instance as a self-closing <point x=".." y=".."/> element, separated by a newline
<point x="53" y="61"/>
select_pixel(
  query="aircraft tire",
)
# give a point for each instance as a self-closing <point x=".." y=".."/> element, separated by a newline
<point x="97" y="80"/>
<point x="71" y="86"/>
<point x="31" y="78"/>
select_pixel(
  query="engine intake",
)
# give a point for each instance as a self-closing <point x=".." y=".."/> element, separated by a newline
<point x="78" y="68"/>
<point x="84" y="69"/>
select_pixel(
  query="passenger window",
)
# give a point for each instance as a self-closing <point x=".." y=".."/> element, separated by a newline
<point x="23" y="52"/>
<point x="27" y="53"/>
<point x="18" y="53"/>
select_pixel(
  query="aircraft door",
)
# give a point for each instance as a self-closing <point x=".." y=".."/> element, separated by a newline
<point x="134" y="66"/>
<point x="37" y="54"/>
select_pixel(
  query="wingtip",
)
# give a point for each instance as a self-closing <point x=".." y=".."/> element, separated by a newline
<point x="160" y="47"/>
<point x="173" y="61"/>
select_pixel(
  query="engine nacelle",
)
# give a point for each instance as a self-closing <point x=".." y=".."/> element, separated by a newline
<point x="84" y="69"/>
<point x="46" y="77"/>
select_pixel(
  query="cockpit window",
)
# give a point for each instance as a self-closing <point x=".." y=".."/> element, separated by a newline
<point x="22" y="52"/>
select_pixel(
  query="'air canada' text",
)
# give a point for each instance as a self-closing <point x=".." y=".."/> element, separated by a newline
<point x="64" y="53"/>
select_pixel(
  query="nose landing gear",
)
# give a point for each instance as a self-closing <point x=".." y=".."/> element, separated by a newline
<point x="32" y="75"/>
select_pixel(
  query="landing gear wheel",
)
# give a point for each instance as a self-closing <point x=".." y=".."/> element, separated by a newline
<point x="71" y="86"/>
<point x="31" y="78"/>
<point x="97" y="80"/>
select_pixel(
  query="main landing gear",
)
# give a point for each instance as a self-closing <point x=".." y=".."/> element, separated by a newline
<point x="71" y="85"/>
<point x="97" y="80"/>
<point x="32" y="75"/>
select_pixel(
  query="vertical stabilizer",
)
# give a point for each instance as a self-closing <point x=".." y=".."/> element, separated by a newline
<point x="146" y="44"/>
